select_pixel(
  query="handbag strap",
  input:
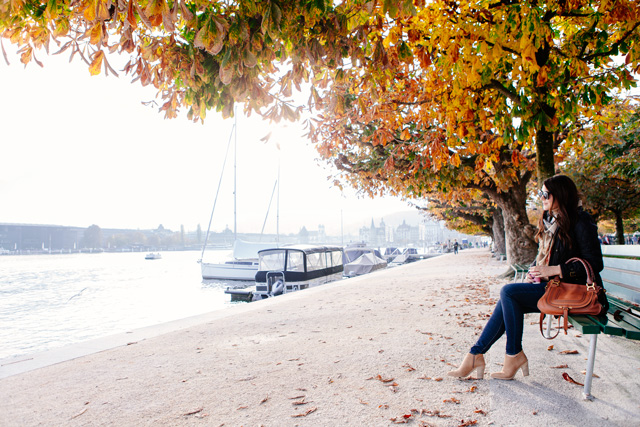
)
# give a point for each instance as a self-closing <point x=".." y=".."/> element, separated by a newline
<point x="542" y="317"/>
<point x="587" y="267"/>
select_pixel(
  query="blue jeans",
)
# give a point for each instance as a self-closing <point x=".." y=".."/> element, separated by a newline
<point x="516" y="299"/>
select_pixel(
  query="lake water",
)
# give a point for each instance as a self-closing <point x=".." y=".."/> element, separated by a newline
<point x="48" y="301"/>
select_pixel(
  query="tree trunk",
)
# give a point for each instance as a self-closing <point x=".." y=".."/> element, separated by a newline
<point x="497" y="230"/>
<point x="544" y="155"/>
<point x="520" y="244"/>
<point x="619" y="227"/>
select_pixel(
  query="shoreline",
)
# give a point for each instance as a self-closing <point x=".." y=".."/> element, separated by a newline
<point x="362" y="351"/>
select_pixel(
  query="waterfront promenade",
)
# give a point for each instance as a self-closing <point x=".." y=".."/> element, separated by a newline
<point x="368" y="351"/>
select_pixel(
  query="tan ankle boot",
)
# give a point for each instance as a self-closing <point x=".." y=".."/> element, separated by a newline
<point x="511" y="366"/>
<point x="470" y="362"/>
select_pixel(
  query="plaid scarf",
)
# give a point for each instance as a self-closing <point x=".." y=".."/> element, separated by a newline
<point x="549" y="234"/>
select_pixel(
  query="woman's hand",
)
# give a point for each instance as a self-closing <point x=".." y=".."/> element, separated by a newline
<point x="543" y="272"/>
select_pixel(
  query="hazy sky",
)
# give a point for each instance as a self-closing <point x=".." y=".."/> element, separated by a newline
<point x="81" y="150"/>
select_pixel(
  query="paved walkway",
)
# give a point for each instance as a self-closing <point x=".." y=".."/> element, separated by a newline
<point x="372" y="350"/>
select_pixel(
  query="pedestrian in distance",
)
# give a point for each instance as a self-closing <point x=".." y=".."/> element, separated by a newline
<point x="565" y="231"/>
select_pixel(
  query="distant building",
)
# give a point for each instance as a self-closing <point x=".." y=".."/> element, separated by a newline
<point x="38" y="238"/>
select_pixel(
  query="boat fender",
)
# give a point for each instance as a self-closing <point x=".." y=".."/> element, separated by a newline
<point x="278" y="288"/>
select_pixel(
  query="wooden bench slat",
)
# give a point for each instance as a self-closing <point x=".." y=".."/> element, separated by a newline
<point x="628" y="311"/>
<point x="586" y="324"/>
<point x="613" y="327"/>
<point x="627" y="314"/>
<point x="620" y="250"/>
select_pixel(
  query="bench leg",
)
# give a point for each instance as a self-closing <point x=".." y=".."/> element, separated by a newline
<point x="547" y="333"/>
<point x="586" y="394"/>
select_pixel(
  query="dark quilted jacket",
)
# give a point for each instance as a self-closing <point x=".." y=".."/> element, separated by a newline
<point x="585" y="245"/>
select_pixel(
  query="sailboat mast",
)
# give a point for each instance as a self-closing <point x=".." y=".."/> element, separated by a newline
<point x="278" y="205"/>
<point x="235" y="156"/>
<point x="215" y="201"/>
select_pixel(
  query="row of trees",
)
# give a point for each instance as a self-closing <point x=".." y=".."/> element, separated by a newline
<point x="468" y="104"/>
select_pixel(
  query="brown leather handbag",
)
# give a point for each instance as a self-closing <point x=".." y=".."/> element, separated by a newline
<point x="561" y="298"/>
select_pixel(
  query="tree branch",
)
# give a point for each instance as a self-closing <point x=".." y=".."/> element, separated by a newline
<point x="614" y="47"/>
<point x="495" y="84"/>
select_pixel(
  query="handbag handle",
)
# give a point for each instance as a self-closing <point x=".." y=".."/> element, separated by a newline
<point x="588" y="269"/>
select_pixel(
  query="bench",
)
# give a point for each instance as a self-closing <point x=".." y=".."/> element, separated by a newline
<point x="621" y="279"/>
<point x="499" y="256"/>
<point x="520" y="272"/>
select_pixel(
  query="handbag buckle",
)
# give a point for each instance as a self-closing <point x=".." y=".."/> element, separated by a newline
<point x="591" y="287"/>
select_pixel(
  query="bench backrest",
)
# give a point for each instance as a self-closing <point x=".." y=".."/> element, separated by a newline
<point x="621" y="274"/>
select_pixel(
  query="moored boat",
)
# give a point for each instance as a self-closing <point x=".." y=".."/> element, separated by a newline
<point x="243" y="266"/>
<point x="293" y="268"/>
<point x="360" y="260"/>
<point x="153" y="255"/>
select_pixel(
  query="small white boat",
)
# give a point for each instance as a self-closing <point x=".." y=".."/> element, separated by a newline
<point x="153" y="255"/>
<point x="242" y="267"/>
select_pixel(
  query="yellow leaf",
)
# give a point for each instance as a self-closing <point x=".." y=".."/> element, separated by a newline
<point x="96" y="33"/>
<point x="90" y="11"/>
<point x="94" y="68"/>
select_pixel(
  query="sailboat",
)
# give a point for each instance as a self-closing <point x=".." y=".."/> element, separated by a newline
<point x="244" y="264"/>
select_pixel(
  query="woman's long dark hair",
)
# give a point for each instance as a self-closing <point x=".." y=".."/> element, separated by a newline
<point x="567" y="198"/>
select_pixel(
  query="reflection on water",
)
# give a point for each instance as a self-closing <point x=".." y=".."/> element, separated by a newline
<point x="49" y="301"/>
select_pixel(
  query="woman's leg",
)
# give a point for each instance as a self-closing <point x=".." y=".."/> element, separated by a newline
<point x="491" y="332"/>
<point x="518" y="299"/>
<point x="508" y="315"/>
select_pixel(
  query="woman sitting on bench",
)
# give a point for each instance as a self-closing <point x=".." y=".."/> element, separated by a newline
<point x="565" y="231"/>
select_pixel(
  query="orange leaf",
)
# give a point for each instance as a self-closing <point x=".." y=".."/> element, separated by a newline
<point x="131" y="17"/>
<point x="94" y="68"/>
<point x="26" y="55"/>
<point x="102" y="11"/>
<point x="571" y="380"/>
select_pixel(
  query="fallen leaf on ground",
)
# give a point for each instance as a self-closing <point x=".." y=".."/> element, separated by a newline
<point x="464" y="423"/>
<point x="435" y="413"/>
<point x="480" y="411"/>
<point x="452" y="400"/>
<point x="193" y="412"/>
<point x="560" y="366"/>
<point x="403" y="419"/>
<point x="304" y="414"/>
<point x="264" y="400"/>
<point x="571" y="380"/>
<point x="409" y="367"/>
<point x="300" y="402"/>
<point x="380" y="378"/>
<point x="297" y="397"/>
<point x="550" y="348"/>
<point x="593" y="375"/>
<point x="569" y="352"/>
<point x="242" y="407"/>
<point x="82" y="412"/>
